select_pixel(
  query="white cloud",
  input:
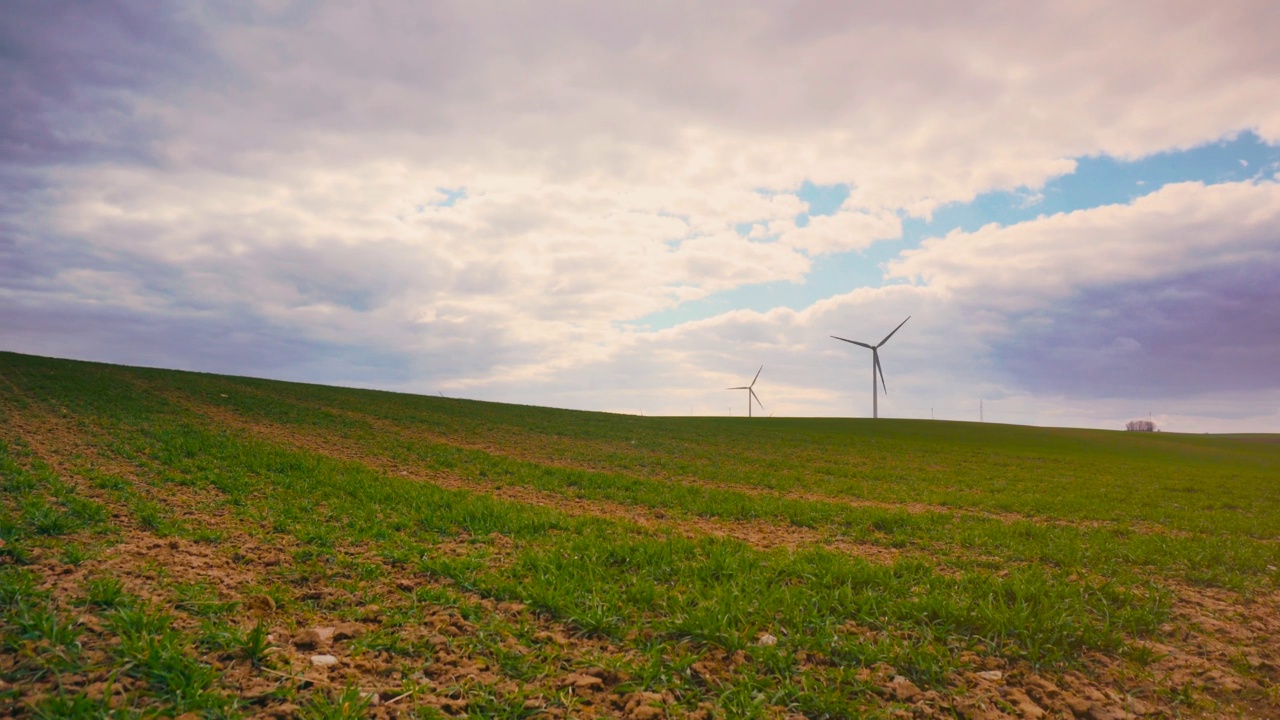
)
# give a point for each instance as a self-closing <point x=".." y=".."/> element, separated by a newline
<point x="982" y="304"/>
<point x="608" y="154"/>
<point x="845" y="230"/>
<point x="1179" y="228"/>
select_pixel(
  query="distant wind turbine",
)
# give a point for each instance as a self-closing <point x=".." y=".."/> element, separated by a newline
<point x="751" y="393"/>
<point x="875" y="366"/>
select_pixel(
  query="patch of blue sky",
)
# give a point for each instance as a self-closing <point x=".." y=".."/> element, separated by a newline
<point x="451" y="197"/>
<point x="822" y="199"/>
<point x="1097" y="181"/>
<point x="1104" y="180"/>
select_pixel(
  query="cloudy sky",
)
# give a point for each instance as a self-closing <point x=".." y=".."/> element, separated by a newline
<point x="631" y="206"/>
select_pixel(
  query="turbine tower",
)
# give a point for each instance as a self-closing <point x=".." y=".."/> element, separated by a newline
<point x="875" y="366"/>
<point x="751" y="393"/>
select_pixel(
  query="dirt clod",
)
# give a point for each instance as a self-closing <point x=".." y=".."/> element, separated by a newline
<point x="313" y="638"/>
<point x="347" y="631"/>
<point x="903" y="689"/>
<point x="582" y="681"/>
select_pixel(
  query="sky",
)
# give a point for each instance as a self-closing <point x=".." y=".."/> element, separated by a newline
<point x="630" y="207"/>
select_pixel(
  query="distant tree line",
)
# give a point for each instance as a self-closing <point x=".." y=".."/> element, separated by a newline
<point x="1140" y="426"/>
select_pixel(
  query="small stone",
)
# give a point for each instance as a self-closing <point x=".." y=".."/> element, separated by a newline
<point x="324" y="660"/>
<point x="767" y="640"/>
<point x="992" y="675"/>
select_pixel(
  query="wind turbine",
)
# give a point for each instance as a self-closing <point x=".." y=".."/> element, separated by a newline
<point x="875" y="366"/>
<point x="750" y="392"/>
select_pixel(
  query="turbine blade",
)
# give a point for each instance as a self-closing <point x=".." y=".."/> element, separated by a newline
<point x="855" y="342"/>
<point x="757" y="397"/>
<point x="886" y="337"/>
<point x="744" y="387"/>
<point x="881" y="371"/>
<point x="757" y="377"/>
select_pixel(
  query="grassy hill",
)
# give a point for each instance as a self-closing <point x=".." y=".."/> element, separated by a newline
<point x="179" y="542"/>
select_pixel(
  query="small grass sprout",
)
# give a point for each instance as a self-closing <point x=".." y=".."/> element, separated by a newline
<point x="347" y="704"/>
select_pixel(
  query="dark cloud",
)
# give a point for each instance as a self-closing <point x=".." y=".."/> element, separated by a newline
<point x="362" y="278"/>
<point x="238" y="346"/>
<point x="241" y="313"/>
<point x="70" y="73"/>
<point x="1208" y="331"/>
<point x="31" y="262"/>
<point x="248" y="344"/>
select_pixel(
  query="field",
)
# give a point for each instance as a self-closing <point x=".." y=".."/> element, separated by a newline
<point x="179" y="544"/>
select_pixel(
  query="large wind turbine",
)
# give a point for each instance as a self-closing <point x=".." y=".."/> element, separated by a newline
<point x="875" y="366"/>
<point x="750" y="392"/>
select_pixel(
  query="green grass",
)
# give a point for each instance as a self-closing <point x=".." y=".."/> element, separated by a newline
<point x="1223" y="555"/>
<point x="1106" y="526"/>
<point x="105" y="592"/>
<point x="1202" y="482"/>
